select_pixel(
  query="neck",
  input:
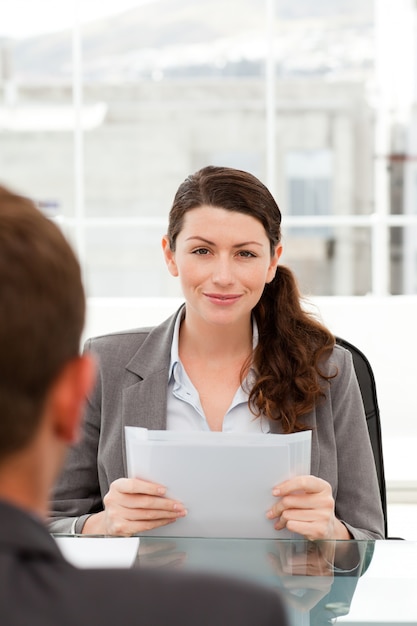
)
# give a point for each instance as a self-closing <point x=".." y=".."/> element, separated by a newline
<point x="26" y="476"/>
<point x="211" y="340"/>
<point x="21" y="485"/>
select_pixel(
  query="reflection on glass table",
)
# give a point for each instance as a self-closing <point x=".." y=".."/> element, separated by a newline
<point x="317" y="579"/>
<point x="346" y="582"/>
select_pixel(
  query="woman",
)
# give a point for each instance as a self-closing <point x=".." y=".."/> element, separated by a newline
<point x="242" y="332"/>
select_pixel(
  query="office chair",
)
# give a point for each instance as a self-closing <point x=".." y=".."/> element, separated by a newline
<point x="367" y="386"/>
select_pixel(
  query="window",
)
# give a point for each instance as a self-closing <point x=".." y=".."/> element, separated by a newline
<point x="102" y="116"/>
<point x="309" y="175"/>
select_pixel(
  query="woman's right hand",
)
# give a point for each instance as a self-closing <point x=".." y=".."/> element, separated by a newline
<point x="132" y="506"/>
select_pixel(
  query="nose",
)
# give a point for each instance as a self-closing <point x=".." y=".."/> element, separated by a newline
<point x="223" y="272"/>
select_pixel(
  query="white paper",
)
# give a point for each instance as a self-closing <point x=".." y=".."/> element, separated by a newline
<point x="225" y="480"/>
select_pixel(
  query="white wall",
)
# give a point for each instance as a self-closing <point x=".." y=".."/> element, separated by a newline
<point x="384" y="328"/>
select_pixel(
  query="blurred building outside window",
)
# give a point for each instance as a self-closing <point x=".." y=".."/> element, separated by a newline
<point x="105" y="109"/>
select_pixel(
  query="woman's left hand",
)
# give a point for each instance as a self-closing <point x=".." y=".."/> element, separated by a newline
<point x="306" y="506"/>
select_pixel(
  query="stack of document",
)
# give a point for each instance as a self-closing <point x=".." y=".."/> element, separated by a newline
<point x="224" y="480"/>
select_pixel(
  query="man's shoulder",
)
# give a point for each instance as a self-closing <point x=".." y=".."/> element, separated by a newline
<point x="54" y="592"/>
<point x="188" y="598"/>
<point x="51" y="591"/>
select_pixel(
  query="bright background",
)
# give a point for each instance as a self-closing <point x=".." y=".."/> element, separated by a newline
<point x="105" y="107"/>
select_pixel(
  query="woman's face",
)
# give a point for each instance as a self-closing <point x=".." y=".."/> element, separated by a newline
<point x="223" y="260"/>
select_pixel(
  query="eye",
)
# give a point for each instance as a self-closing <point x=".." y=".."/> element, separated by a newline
<point x="246" y="254"/>
<point x="200" y="251"/>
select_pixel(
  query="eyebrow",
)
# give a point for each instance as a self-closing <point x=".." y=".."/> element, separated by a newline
<point x="211" y="243"/>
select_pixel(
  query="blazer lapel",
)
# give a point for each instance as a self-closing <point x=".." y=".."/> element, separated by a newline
<point x="144" y="403"/>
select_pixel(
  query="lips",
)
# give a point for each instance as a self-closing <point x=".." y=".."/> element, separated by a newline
<point x="223" y="298"/>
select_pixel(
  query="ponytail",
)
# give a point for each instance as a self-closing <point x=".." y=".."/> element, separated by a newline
<point x="292" y="344"/>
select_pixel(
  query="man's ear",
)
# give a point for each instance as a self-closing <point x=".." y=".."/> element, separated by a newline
<point x="274" y="263"/>
<point x="169" y="256"/>
<point x="68" y="396"/>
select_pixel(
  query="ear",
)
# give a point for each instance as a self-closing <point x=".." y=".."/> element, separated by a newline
<point x="169" y="256"/>
<point x="68" y="396"/>
<point x="274" y="263"/>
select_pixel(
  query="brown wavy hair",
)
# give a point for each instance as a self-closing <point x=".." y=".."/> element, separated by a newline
<point x="293" y="344"/>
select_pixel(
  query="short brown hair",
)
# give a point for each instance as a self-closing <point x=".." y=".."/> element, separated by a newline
<point x="42" y="309"/>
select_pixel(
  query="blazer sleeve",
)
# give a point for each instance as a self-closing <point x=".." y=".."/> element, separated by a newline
<point x="77" y="492"/>
<point x="358" y="502"/>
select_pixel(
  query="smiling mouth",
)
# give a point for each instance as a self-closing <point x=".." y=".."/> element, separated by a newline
<point x="222" y="298"/>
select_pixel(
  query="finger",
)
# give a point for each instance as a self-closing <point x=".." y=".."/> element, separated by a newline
<point x="322" y="504"/>
<point x="173" y="560"/>
<point x="306" y="484"/>
<point x="135" y="514"/>
<point x="126" y="528"/>
<point x="156" y="547"/>
<point x="311" y="530"/>
<point x="310" y="516"/>
<point x="137" y="485"/>
<point x="145" y="525"/>
<point x="287" y="517"/>
<point x="288" y="506"/>
<point x="307" y="565"/>
<point x="151" y="502"/>
<point x="135" y="500"/>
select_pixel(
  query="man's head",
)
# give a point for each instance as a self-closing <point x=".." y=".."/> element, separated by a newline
<point x="42" y="308"/>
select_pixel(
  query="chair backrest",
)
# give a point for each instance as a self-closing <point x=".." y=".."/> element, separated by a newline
<point x="367" y="386"/>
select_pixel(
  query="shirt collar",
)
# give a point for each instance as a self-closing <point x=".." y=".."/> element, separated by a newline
<point x="175" y="357"/>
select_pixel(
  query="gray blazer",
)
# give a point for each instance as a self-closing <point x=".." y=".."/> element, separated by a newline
<point x="39" y="587"/>
<point x="131" y="390"/>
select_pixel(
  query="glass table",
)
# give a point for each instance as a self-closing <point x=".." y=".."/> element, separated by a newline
<point x="346" y="582"/>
